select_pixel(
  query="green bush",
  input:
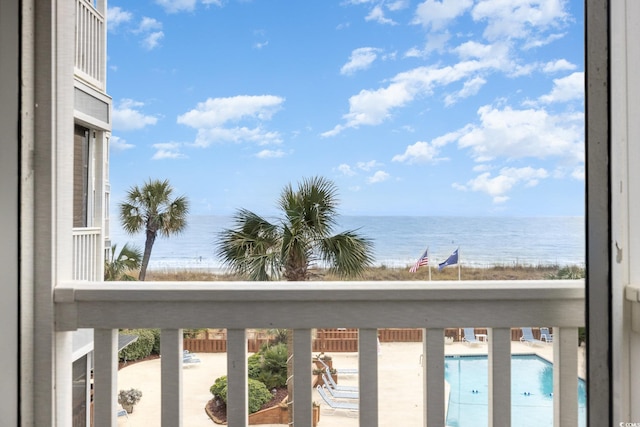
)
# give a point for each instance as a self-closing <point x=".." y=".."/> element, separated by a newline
<point x="254" y="365"/>
<point x="274" y="366"/>
<point x="156" y="341"/>
<point x="139" y="349"/>
<point x="258" y="393"/>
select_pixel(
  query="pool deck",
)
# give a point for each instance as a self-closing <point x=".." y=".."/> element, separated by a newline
<point x="400" y="384"/>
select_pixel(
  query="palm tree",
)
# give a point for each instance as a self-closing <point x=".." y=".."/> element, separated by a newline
<point x="117" y="267"/>
<point x="152" y="208"/>
<point x="289" y="248"/>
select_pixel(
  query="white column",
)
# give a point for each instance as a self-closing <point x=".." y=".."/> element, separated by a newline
<point x="171" y="381"/>
<point x="368" y="376"/>
<point x="499" y="376"/>
<point x="565" y="377"/>
<point x="302" y="377"/>
<point x="433" y="348"/>
<point x="105" y="377"/>
<point x="64" y="374"/>
<point x="237" y="388"/>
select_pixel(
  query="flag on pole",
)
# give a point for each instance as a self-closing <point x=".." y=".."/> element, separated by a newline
<point x="452" y="260"/>
<point x="423" y="260"/>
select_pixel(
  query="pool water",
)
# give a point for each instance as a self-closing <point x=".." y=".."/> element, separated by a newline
<point x="531" y="392"/>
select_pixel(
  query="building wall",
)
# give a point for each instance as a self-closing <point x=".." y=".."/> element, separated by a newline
<point x="9" y="202"/>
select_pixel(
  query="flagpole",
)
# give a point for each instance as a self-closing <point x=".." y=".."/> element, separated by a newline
<point x="429" y="272"/>
<point x="458" y="263"/>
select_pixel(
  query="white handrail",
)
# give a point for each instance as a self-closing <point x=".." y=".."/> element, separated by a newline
<point x="237" y="306"/>
<point x="87" y="256"/>
<point x="90" y="61"/>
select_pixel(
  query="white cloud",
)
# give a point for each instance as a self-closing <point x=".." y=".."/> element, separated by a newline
<point x="149" y="24"/>
<point x="566" y="89"/>
<point x="270" y="154"/>
<point x="116" y="16"/>
<point x="346" y="170"/>
<point x="367" y="166"/>
<point x="213" y="118"/>
<point x="514" y="134"/>
<point x="127" y="116"/>
<point x="118" y="144"/>
<point x="427" y="152"/>
<point x="377" y="15"/>
<point x="150" y="30"/>
<point x="151" y="41"/>
<point x="379" y="176"/>
<point x="398" y="5"/>
<point x="372" y="107"/>
<point x="437" y="14"/>
<point x="498" y="186"/>
<point x="518" y="19"/>
<point x="168" y="150"/>
<point x="173" y="6"/>
<point x="360" y="59"/>
<point x="436" y="42"/>
<point x="559" y="65"/>
<point x="471" y="87"/>
<point x="218" y="111"/>
<point x="420" y="152"/>
<point x="257" y="135"/>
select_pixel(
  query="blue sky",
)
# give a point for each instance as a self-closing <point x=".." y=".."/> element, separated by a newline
<point x="452" y="107"/>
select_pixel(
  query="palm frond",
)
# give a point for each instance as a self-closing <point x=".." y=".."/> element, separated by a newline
<point x="347" y="253"/>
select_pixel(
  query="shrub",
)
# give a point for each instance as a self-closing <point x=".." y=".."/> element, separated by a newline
<point x="258" y="393"/>
<point x="274" y="366"/>
<point x="156" y="341"/>
<point x="254" y="365"/>
<point x="140" y="348"/>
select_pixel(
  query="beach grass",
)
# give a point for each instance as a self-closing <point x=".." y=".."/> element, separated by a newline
<point x="382" y="273"/>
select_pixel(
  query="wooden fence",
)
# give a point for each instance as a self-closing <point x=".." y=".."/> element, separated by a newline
<point x="333" y="340"/>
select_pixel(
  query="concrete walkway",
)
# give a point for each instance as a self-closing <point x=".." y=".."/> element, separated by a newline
<point x="400" y="379"/>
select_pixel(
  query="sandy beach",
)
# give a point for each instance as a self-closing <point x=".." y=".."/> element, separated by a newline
<point x="399" y="370"/>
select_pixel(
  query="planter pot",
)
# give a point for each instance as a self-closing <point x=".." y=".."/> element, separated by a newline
<point x="128" y="408"/>
<point x="316" y="415"/>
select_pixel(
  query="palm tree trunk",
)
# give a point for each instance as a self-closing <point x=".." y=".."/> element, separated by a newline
<point x="148" y="245"/>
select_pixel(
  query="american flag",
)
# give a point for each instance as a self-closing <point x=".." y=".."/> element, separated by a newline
<point x="423" y="260"/>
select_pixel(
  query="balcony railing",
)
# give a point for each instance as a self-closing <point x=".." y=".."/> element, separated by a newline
<point x="368" y="306"/>
<point x="87" y="255"/>
<point x="90" y="42"/>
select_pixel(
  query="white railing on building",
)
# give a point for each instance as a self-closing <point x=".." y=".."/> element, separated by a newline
<point x="90" y="42"/>
<point x="87" y="253"/>
<point x="368" y="306"/>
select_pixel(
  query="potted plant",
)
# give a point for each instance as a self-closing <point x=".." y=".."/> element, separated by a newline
<point x="128" y="398"/>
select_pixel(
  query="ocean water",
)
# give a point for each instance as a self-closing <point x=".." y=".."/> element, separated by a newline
<point x="400" y="240"/>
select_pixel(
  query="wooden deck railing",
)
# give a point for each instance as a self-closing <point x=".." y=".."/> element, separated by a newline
<point x="366" y="306"/>
<point x="336" y="340"/>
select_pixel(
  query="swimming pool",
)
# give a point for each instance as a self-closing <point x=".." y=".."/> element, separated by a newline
<point x="531" y="392"/>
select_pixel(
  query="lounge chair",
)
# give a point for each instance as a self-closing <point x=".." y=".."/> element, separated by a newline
<point x="335" y="404"/>
<point x="189" y="359"/>
<point x="546" y="336"/>
<point x="121" y="412"/>
<point x="337" y="394"/>
<point x="470" y="336"/>
<point x="342" y="371"/>
<point x="329" y="381"/>
<point x="527" y="337"/>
